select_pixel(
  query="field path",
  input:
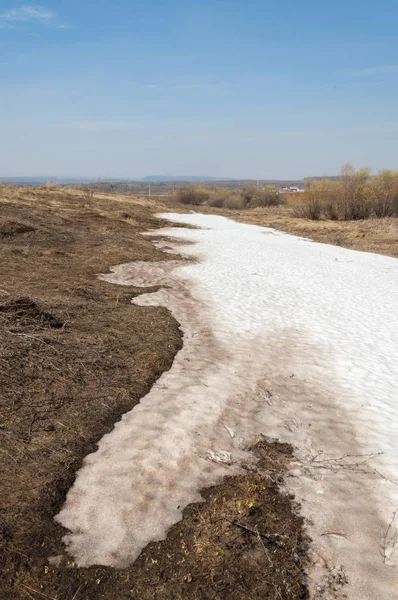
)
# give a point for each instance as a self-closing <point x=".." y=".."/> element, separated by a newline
<point x="284" y="337"/>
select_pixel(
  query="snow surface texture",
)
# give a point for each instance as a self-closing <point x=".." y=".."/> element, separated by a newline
<point x="284" y="337"/>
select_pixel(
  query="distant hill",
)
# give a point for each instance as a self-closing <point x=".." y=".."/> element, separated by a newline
<point x="166" y="178"/>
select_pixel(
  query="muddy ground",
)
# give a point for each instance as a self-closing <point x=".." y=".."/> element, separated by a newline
<point x="74" y="356"/>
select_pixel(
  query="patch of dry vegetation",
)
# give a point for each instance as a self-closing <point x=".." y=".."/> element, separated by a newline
<point x="353" y="196"/>
<point x="249" y="196"/>
<point x="192" y="195"/>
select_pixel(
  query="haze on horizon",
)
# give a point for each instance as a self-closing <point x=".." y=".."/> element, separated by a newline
<point x="248" y="89"/>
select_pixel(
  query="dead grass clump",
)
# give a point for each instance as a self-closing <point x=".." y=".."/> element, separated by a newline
<point x="10" y="227"/>
<point x="24" y="314"/>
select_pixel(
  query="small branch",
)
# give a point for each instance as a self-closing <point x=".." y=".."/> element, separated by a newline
<point x="333" y="464"/>
<point x="77" y="591"/>
<point x="32" y="337"/>
<point x="37" y="592"/>
<point x="339" y="460"/>
<point x="255" y="532"/>
<point x="390" y="539"/>
<point x="264" y="548"/>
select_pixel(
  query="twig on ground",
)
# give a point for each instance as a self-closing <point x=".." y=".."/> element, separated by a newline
<point x="377" y="472"/>
<point x="340" y="463"/>
<point x="264" y="548"/>
<point x="77" y="591"/>
<point x="390" y="539"/>
<point x="33" y="337"/>
<point x="256" y="532"/>
<point x="37" y="592"/>
<point x="340" y="460"/>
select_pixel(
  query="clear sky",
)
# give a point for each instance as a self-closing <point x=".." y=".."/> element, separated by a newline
<point x="233" y="88"/>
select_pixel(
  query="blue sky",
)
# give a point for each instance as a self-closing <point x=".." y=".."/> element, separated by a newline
<point x="233" y="88"/>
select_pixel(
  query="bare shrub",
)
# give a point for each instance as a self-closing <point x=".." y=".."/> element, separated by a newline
<point x="331" y="209"/>
<point x="192" y="195"/>
<point x="310" y="208"/>
<point x="88" y="195"/>
<point x="383" y="208"/>
<point x="384" y="194"/>
<point x="312" y="205"/>
<point x="234" y="202"/>
<point x="269" y="196"/>
<point x="218" y="198"/>
<point x="355" y="208"/>
<point x="353" y="197"/>
<point x="248" y="193"/>
<point x="247" y="197"/>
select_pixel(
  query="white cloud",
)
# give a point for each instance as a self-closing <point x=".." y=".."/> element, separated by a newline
<point x="27" y="13"/>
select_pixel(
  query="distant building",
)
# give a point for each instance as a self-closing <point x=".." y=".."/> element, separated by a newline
<point x="292" y="189"/>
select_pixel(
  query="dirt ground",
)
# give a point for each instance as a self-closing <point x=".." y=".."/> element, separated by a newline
<point x="74" y="356"/>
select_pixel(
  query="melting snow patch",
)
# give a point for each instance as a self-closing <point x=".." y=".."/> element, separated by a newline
<point x="284" y="337"/>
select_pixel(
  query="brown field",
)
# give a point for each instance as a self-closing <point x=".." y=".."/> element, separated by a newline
<point x="75" y="355"/>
